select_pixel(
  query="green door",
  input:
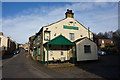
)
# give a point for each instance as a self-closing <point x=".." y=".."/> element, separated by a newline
<point x="43" y="56"/>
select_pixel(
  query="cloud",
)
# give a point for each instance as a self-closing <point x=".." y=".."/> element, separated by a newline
<point x="26" y="23"/>
<point x="60" y="0"/>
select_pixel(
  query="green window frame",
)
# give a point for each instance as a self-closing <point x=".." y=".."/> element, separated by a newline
<point x="39" y="52"/>
<point x="39" y="37"/>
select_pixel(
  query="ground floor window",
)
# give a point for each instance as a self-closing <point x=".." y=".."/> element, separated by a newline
<point x="87" y="49"/>
<point x="61" y="52"/>
<point x="38" y="51"/>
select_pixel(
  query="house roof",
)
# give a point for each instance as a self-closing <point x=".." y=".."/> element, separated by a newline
<point x="82" y="39"/>
<point x="60" y="40"/>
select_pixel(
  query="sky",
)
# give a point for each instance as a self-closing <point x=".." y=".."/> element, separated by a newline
<point x="20" y="20"/>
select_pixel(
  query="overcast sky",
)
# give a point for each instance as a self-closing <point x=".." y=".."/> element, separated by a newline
<point x="23" y="19"/>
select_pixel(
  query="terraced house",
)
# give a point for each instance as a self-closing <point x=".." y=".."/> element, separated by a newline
<point x="65" y="40"/>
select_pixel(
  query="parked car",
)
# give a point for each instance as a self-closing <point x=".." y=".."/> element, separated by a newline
<point x="101" y="53"/>
<point x="26" y="50"/>
<point x="16" y="52"/>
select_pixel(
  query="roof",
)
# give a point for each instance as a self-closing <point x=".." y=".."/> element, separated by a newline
<point x="51" y="24"/>
<point x="82" y="39"/>
<point x="60" y="40"/>
<point x="79" y="39"/>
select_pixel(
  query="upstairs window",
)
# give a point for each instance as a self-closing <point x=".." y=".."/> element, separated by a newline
<point x="87" y="49"/>
<point x="34" y="41"/>
<point x="38" y="37"/>
<point x="71" y="36"/>
<point x="71" y="22"/>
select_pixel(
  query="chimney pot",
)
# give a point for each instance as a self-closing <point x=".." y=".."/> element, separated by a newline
<point x="69" y="14"/>
<point x="1" y="33"/>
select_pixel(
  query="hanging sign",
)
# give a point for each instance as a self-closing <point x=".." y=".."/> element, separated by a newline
<point x="46" y="35"/>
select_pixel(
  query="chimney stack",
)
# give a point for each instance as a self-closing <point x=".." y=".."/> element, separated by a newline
<point x="69" y="14"/>
<point x="1" y="33"/>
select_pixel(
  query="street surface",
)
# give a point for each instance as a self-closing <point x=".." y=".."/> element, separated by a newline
<point x="107" y="67"/>
<point x="22" y="66"/>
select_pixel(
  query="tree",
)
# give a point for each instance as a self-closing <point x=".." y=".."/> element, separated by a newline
<point x="116" y="37"/>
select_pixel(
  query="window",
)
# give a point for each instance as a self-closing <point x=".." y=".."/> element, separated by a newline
<point x="61" y="52"/>
<point x="102" y="41"/>
<point x="71" y="22"/>
<point x="55" y="34"/>
<point x="38" y="51"/>
<point x="71" y="36"/>
<point x="38" y="37"/>
<point x="34" y="41"/>
<point x="87" y="49"/>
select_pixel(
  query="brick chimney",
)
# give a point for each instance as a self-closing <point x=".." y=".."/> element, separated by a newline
<point x="1" y="33"/>
<point x="69" y="14"/>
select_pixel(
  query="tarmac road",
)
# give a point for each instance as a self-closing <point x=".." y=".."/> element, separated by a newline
<point x="22" y="66"/>
<point x="19" y="67"/>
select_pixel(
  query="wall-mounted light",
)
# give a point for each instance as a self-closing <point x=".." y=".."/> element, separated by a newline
<point x="46" y="29"/>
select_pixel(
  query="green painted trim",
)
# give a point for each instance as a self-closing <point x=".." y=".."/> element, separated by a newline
<point x="70" y="27"/>
<point x="43" y="56"/>
<point x="33" y="53"/>
<point x="67" y="54"/>
<point x="47" y="53"/>
<point x="36" y="54"/>
<point x="60" y="40"/>
<point x="73" y="56"/>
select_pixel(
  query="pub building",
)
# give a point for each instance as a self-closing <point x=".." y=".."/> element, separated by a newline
<point x="66" y="40"/>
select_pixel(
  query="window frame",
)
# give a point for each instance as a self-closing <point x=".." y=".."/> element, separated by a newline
<point x="87" y="49"/>
<point x="71" y="37"/>
<point x="61" y="53"/>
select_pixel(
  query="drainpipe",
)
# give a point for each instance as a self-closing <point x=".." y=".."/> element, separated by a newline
<point x="73" y="55"/>
<point x="88" y="32"/>
<point x="43" y="56"/>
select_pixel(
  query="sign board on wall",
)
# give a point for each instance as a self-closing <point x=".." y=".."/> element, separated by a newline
<point x="51" y="53"/>
<point x="46" y="35"/>
<point x="70" y="27"/>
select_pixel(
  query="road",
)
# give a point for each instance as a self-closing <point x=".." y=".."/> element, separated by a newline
<point x="107" y="67"/>
<point x="21" y="66"/>
<point x="18" y="67"/>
